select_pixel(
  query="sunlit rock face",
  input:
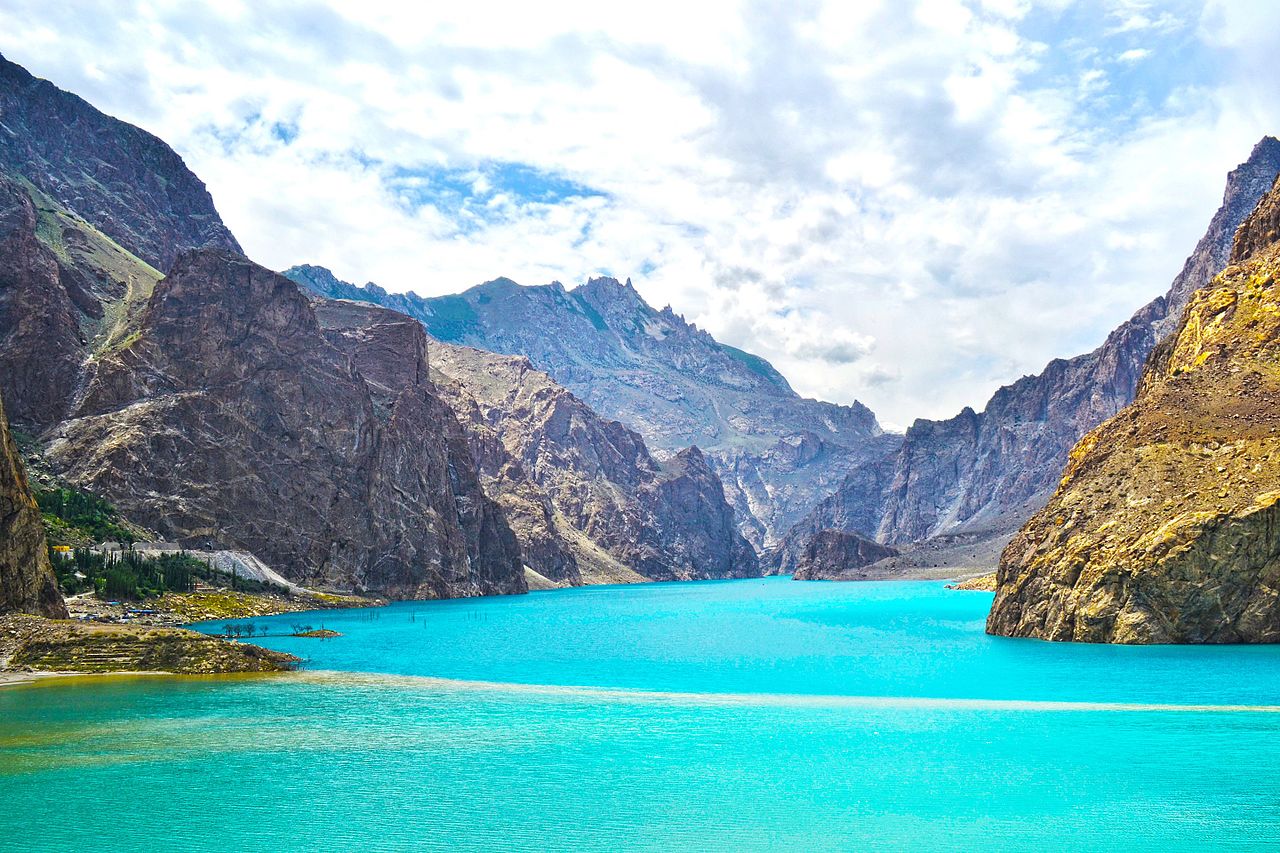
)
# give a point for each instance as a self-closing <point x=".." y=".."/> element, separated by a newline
<point x="1165" y="527"/>
<point x="26" y="579"/>
<point x="586" y="498"/>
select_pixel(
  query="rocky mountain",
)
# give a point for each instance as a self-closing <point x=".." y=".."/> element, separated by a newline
<point x="835" y="554"/>
<point x="128" y="182"/>
<point x="776" y="453"/>
<point x="209" y="405"/>
<point x="26" y="579"/>
<point x="229" y="419"/>
<point x="220" y="407"/>
<point x="1165" y="527"/>
<point x="585" y="496"/>
<point x="981" y="475"/>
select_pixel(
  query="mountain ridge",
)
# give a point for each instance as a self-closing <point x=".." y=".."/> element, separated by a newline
<point x="105" y="170"/>
<point x="1165" y="526"/>
<point x="775" y="452"/>
<point x="989" y="470"/>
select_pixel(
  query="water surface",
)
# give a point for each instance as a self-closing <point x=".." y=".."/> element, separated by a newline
<point x="743" y="715"/>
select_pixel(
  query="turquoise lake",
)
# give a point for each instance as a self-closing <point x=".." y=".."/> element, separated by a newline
<point x="738" y="715"/>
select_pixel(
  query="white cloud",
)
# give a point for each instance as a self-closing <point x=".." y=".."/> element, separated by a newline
<point x="1136" y="54"/>
<point x="906" y="203"/>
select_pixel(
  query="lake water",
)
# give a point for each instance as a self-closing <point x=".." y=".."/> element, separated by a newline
<point x="739" y="715"/>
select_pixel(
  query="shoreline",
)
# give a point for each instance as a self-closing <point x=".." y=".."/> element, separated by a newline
<point x="10" y="678"/>
<point x="18" y="678"/>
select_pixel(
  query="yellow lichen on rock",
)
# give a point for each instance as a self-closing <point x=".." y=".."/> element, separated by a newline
<point x="1166" y="524"/>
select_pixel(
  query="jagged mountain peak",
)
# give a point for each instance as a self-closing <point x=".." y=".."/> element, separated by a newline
<point x="995" y="468"/>
<point x="1266" y="149"/>
<point x="123" y="180"/>
<point x="613" y="299"/>
<point x="778" y="453"/>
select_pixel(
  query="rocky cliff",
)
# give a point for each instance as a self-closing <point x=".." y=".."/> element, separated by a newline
<point x="91" y="208"/>
<point x="211" y="407"/>
<point x="985" y="473"/>
<point x="26" y="579"/>
<point x="228" y="419"/>
<point x="837" y="555"/>
<point x="585" y="496"/>
<point x="777" y="453"/>
<point x="1165" y="527"/>
<point x="130" y="183"/>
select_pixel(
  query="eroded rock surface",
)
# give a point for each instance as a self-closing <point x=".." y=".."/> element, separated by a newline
<point x="777" y="454"/>
<point x="109" y="172"/>
<point x="26" y="579"/>
<point x="585" y="496"/>
<point x="1165" y="527"/>
<point x="230" y="420"/>
<point x="834" y="554"/>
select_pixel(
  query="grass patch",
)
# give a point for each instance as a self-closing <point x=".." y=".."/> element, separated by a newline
<point x="755" y="364"/>
<point x="451" y="318"/>
<point x="592" y="314"/>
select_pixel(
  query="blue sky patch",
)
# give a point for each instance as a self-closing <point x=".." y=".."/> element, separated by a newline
<point x="467" y="194"/>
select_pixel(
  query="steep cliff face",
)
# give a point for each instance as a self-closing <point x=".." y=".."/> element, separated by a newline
<point x="128" y="182"/>
<point x="40" y="338"/>
<point x="229" y="419"/>
<point x="1166" y="525"/>
<point x="26" y="579"/>
<point x="777" y="453"/>
<point x="587" y="499"/>
<point x="834" y="554"/>
<point x="66" y="292"/>
<point x="990" y="470"/>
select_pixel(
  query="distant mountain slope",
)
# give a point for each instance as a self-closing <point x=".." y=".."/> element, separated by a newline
<point x="777" y="453"/>
<point x="1165" y="527"/>
<point x="612" y="507"/>
<point x="131" y="184"/>
<point x="989" y="471"/>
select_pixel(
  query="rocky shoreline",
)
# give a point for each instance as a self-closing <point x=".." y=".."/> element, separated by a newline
<point x="135" y="638"/>
<point x="31" y="645"/>
<point x="176" y="609"/>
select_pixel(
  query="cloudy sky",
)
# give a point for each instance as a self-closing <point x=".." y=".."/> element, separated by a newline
<point x="907" y="203"/>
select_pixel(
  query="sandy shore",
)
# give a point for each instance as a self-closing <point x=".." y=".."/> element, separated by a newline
<point x="7" y="679"/>
<point x="11" y="678"/>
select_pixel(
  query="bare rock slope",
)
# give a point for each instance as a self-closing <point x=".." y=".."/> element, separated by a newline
<point x="776" y="453"/>
<point x="1165" y="527"/>
<point x="105" y="170"/>
<point x="230" y="420"/>
<point x="26" y="578"/>
<point x="585" y="496"/>
<point x="982" y="474"/>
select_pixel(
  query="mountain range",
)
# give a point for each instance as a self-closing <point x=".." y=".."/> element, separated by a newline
<point x="777" y="453"/>
<point x="964" y="485"/>
<point x="219" y="405"/>
<point x="484" y="442"/>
